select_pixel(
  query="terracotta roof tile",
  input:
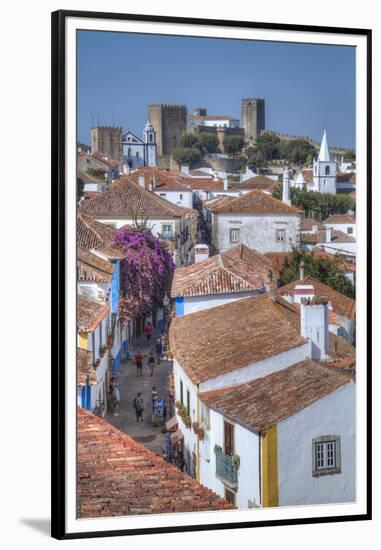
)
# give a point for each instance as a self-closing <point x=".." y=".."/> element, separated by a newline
<point x="277" y="259"/>
<point x="126" y="199"/>
<point x="308" y="223"/>
<point x="89" y="314"/>
<point x="257" y="182"/>
<point x="240" y="269"/>
<point x="222" y="339"/>
<point x="163" y="180"/>
<point x="340" y="219"/>
<point x="267" y="401"/>
<point x="255" y="202"/>
<point x="93" y="235"/>
<point x="341" y="305"/>
<point x="118" y="477"/>
<point x="204" y="184"/>
<point x="337" y="236"/>
<point x="93" y="268"/>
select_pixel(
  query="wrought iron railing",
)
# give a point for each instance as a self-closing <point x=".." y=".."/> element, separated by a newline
<point x="227" y="467"/>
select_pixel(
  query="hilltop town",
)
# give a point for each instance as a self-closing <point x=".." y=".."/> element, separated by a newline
<point x="216" y="316"/>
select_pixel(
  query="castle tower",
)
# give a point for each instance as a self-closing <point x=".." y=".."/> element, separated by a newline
<point x="324" y="169"/>
<point x="107" y="141"/>
<point x="169" y="122"/>
<point x="252" y="117"/>
<point x="149" y="138"/>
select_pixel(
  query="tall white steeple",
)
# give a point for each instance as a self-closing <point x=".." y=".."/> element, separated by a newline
<point x="324" y="149"/>
<point x="324" y="169"/>
<point x="149" y="138"/>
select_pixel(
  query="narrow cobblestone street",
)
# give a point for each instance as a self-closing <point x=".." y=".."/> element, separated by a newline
<point x="129" y="384"/>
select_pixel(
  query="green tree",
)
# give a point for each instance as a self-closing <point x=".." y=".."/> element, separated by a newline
<point x="188" y="140"/>
<point x="187" y="155"/>
<point x="233" y="144"/>
<point x="318" y="205"/>
<point x="327" y="271"/>
<point x="208" y="142"/>
<point x="297" y="151"/>
<point x="268" y="145"/>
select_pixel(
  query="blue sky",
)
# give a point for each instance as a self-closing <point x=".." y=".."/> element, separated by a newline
<point x="306" y="87"/>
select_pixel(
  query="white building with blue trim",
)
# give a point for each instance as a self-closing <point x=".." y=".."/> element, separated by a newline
<point x="140" y="152"/>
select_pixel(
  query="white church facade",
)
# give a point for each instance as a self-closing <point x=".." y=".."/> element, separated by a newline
<point x="140" y="152"/>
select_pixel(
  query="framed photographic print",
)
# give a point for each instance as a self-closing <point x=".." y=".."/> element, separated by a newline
<point x="211" y="274"/>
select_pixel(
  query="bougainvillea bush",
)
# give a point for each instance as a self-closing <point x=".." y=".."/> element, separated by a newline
<point x="144" y="271"/>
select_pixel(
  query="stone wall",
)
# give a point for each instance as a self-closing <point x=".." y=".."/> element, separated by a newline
<point x="107" y="141"/>
<point x="252" y="117"/>
<point x="169" y="122"/>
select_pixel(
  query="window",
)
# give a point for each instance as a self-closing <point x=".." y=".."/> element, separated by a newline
<point x="181" y="196"/>
<point x="205" y="416"/>
<point x="327" y="170"/>
<point x="326" y="455"/>
<point x="188" y="403"/>
<point x="230" y="496"/>
<point x="162" y="194"/>
<point x="181" y="392"/>
<point x="234" y="236"/>
<point x="166" y="231"/>
<point x="280" y="235"/>
<point x="316" y="169"/>
<point x="350" y="230"/>
<point x="137" y="154"/>
<point x="228" y="438"/>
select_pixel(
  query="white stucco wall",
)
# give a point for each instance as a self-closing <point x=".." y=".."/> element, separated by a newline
<point x="257" y="231"/>
<point x="343" y="227"/>
<point x="198" y="303"/>
<point x="246" y="445"/>
<point x="180" y="198"/>
<point x="334" y="248"/>
<point x="258" y="370"/>
<point x="332" y="415"/>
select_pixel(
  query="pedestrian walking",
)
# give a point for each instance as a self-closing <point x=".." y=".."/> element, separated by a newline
<point x="138" y="357"/>
<point x="151" y="363"/>
<point x="148" y="329"/>
<point x="158" y="350"/>
<point x="154" y="397"/>
<point x="138" y="404"/>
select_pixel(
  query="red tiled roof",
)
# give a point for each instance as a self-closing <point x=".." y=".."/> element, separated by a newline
<point x="163" y="180"/>
<point x="308" y="223"/>
<point x="89" y="314"/>
<point x="96" y="235"/>
<point x="277" y="259"/>
<point x="93" y="268"/>
<point x="221" y="339"/>
<point x="341" y="305"/>
<point x="256" y="182"/>
<point x="265" y="402"/>
<point x="126" y="199"/>
<point x="85" y="368"/>
<point x="240" y="269"/>
<point x="337" y="236"/>
<point x="340" y="219"/>
<point x="119" y="477"/>
<point x="255" y="202"/>
<point x="203" y="184"/>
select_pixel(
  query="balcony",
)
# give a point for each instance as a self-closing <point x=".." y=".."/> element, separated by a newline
<point x="227" y="467"/>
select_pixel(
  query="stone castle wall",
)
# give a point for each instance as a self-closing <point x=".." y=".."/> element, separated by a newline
<point x="169" y="122"/>
<point x="107" y="141"/>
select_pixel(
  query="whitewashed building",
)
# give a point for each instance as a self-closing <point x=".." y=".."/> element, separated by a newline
<point x="324" y="169"/>
<point x="237" y="273"/>
<point x="256" y="220"/>
<point x="257" y="345"/>
<point x="342" y="222"/>
<point x="341" y="309"/>
<point x="140" y="152"/>
<point x="332" y="241"/>
<point x="166" y="184"/>
<point x="128" y="203"/>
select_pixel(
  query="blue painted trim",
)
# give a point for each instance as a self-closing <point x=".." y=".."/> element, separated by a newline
<point x="160" y="324"/>
<point x="115" y="287"/>
<point x="180" y="306"/>
<point x="117" y="362"/>
<point x="83" y="397"/>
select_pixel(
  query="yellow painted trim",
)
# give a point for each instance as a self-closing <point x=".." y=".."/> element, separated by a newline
<point x="270" y="492"/>
<point x="83" y="340"/>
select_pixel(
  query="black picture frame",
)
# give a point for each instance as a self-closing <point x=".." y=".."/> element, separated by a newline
<point x="58" y="391"/>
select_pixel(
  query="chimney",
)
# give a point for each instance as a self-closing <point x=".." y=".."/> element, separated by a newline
<point x="286" y="187"/>
<point x="142" y="181"/>
<point x="201" y="252"/>
<point x="184" y="168"/>
<point x="314" y="325"/>
<point x="126" y="169"/>
<point x="301" y="270"/>
<point x="315" y="229"/>
<point x="226" y="183"/>
<point x="328" y="234"/>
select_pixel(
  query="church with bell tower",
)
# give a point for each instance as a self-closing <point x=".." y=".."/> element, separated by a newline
<point x="140" y="152"/>
<point x="324" y="169"/>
